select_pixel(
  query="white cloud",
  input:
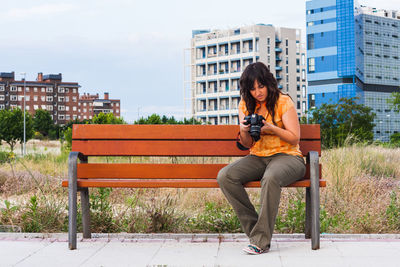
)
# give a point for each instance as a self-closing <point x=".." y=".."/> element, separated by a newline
<point x="35" y="11"/>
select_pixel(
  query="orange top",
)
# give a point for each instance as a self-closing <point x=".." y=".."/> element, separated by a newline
<point x="271" y="144"/>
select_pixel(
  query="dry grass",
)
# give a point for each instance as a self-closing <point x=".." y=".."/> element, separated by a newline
<point x="360" y="181"/>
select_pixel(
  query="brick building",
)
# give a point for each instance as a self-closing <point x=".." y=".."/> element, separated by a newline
<point x="91" y="105"/>
<point x="49" y="92"/>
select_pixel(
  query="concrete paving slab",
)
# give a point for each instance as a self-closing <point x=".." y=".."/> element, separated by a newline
<point x="12" y="252"/>
<point x="124" y="254"/>
<point x="313" y="261"/>
<point x="187" y="254"/>
<point x="367" y="249"/>
<point x="303" y="248"/>
<point x="371" y="261"/>
<point x="231" y="254"/>
<point x="58" y="254"/>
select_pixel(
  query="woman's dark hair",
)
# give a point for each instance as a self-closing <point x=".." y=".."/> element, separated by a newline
<point x="259" y="72"/>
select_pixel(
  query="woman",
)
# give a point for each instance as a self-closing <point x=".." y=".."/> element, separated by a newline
<point x="275" y="159"/>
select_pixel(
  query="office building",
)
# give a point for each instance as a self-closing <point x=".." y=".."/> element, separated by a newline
<point x="353" y="51"/>
<point x="219" y="57"/>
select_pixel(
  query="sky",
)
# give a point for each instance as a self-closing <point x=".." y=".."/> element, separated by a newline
<point x="132" y="49"/>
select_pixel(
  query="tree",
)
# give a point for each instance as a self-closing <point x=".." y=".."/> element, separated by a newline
<point x="156" y="119"/>
<point x="343" y="122"/>
<point x="12" y="126"/>
<point x="42" y="122"/>
<point x="101" y="118"/>
<point x="395" y="101"/>
<point x="108" y="118"/>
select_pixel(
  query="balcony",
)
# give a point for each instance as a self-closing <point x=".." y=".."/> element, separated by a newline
<point x="278" y="77"/>
<point x="280" y="87"/>
<point x="278" y="68"/>
<point x="278" y="41"/>
<point x="278" y="50"/>
<point x="278" y="59"/>
<point x="235" y="69"/>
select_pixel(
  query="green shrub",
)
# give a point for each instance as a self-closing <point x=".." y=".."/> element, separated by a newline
<point x="216" y="219"/>
<point x="393" y="212"/>
<point x="293" y="220"/>
<point x="43" y="215"/>
<point x="101" y="214"/>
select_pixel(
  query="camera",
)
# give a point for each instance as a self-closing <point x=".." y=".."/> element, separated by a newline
<point x="256" y="122"/>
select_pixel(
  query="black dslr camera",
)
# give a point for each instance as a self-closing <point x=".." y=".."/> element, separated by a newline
<point x="256" y="122"/>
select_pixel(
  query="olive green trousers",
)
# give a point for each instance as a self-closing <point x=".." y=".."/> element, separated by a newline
<point x="274" y="172"/>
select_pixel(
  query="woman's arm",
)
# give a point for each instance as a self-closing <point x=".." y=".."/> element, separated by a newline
<point x="245" y="138"/>
<point x="291" y="131"/>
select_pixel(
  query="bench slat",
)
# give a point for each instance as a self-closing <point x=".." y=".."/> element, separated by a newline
<point x="171" y="132"/>
<point x="170" y="148"/>
<point x="154" y="171"/>
<point x="171" y="183"/>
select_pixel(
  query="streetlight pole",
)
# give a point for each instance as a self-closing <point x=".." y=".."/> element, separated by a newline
<point x="24" y="145"/>
<point x="389" y="125"/>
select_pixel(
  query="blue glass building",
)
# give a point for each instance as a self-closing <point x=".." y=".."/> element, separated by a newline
<point x="353" y="51"/>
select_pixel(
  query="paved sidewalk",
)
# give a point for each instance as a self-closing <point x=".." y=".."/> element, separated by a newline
<point x="196" y="250"/>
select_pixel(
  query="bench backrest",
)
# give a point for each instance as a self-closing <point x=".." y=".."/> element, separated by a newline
<point x="171" y="140"/>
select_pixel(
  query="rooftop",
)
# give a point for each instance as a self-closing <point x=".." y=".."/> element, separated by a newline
<point x="390" y="14"/>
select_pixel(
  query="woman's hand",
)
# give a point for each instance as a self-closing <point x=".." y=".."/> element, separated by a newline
<point x="268" y="128"/>
<point x="243" y="127"/>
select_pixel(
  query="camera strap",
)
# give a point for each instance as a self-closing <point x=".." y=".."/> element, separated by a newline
<point x="239" y="145"/>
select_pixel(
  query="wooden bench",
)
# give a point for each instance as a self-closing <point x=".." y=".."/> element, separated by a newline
<point x="170" y="140"/>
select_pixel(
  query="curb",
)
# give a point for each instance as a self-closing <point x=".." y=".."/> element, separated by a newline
<point x="201" y="237"/>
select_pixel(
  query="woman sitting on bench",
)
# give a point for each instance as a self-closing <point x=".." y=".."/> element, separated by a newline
<point x="275" y="159"/>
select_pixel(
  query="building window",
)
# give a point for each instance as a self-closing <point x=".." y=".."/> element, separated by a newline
<point x="13" y="89"/>
<point x="49" y="90"/>
<point x="310" y="41"/>
<point x="311" y="64"/>
<point x="49" y="98"/>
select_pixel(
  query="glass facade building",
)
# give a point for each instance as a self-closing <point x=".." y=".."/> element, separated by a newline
<point x="353" y="51"/>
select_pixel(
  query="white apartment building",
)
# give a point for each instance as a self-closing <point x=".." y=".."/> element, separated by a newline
<point x="218" y="58"/>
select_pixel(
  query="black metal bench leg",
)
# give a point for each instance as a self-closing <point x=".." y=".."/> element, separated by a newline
<point x="308" y="214"/>
<point x="314" y="192"/>
<point x="85" y="212"/>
